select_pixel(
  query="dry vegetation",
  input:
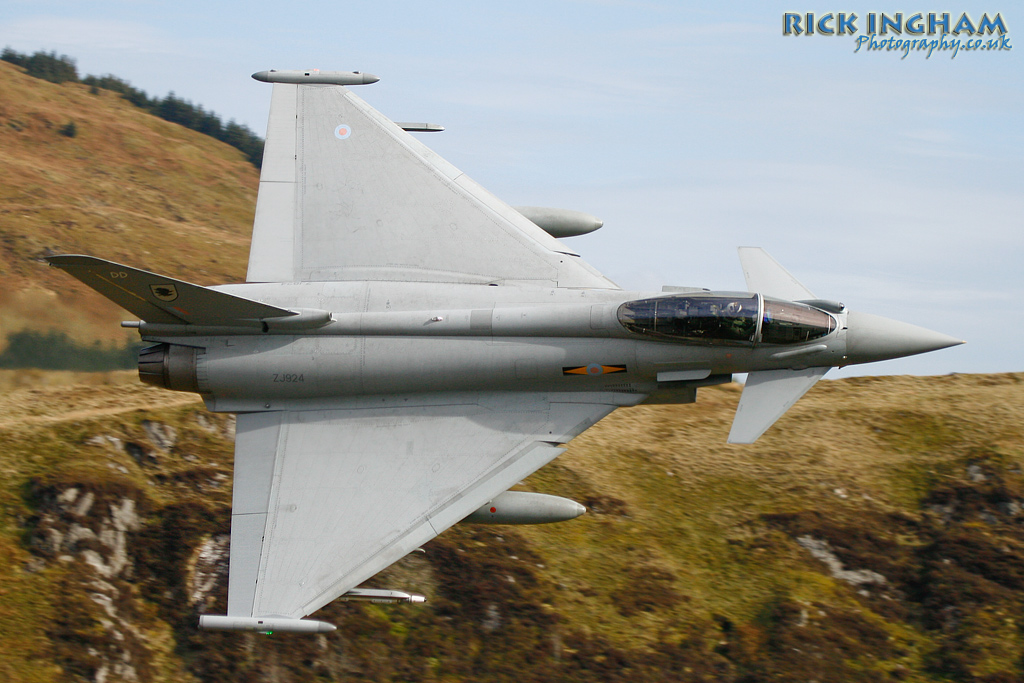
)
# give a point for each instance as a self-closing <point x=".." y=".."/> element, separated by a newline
<point x="876" y="533"/>
<point x="128" y="187"/>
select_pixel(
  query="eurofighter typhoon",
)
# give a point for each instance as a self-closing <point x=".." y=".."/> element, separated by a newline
<point x="407" y="347"/>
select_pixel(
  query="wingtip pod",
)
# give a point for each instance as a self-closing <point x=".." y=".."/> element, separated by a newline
<point x="315" y="77"/>
<point x="210" y="622"/>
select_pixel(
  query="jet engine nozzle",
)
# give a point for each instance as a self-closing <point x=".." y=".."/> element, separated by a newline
<point x="871" y="338"/>
<point x="171" y="366"/>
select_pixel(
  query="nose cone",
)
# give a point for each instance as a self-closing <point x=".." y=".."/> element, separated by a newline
<point x="872" y="338"/>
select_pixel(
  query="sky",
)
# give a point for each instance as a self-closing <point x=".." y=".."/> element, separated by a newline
<point x="891" y="183"/>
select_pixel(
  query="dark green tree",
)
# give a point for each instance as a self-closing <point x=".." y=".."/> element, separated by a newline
<point x="49" y="67"/>
<point x="58" y="69"/>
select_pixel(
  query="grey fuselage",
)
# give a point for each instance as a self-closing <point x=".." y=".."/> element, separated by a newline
<point x="390" y="338"/>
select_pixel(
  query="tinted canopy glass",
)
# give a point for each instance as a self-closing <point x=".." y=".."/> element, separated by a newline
<point x="708" y="319"/>
<point x="786" y="322"/>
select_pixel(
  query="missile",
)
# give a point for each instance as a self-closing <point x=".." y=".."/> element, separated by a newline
<point x="380" y="597"/>
<point x="210" y="622"/>
<point x="520" y="507"/>
<point x="315" y="76"/>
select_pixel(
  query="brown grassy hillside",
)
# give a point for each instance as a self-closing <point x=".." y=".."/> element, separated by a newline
<point x="128" y="187"/>
<point x="875" y="534"/>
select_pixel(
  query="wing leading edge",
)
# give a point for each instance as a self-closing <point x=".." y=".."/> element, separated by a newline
<point x="323" y="500"/>
<point x="346" y="194"/>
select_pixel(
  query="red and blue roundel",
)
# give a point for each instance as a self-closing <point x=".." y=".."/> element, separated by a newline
<point x="593" y="369"/>
<point x="343" y="131"/>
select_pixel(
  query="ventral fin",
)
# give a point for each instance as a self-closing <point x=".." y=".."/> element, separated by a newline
<point x="767" y="395"/>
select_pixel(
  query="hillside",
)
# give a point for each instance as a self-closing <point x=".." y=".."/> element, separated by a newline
<point x="128" y="187"/>
<point x="876" y="533"/>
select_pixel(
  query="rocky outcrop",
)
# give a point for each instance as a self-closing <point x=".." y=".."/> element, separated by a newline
<point x="86" y="532"/>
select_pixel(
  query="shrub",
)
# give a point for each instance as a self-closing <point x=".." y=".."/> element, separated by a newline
<point x="56" y="351"/>
<point x="58" y="69"/>
<point x="49" y="67"/>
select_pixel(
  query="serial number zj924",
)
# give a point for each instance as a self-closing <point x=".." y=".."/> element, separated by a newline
<point x="289" y="377"/>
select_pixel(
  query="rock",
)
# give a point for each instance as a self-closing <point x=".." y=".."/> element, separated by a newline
<point x="68" y="496"/>
<point x="492" y="618"/>
<point x="104" y="440"/>
<point x="210" y="565"/>
<point x="77" y="533"/>
<point x="139" y="454"/>
<point x="160" y="435"/>
<point x="84" y="505"/>
<point x="124" y="516"/>
<point x="229" y="428"/>
<point x="821" y="550"/>
<point x="1012" y="508"/>
<point x="55" y="539"/>
<point x="203" y="420"/>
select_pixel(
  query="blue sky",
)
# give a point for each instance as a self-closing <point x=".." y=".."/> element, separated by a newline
<point x="894" y="185"/>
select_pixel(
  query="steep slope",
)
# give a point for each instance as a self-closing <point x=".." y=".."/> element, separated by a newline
<point x="127" y="186"/>
<point x="877" y="533"/>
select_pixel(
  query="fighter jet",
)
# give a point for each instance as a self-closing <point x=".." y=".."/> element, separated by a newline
<point x="407" y="347"/>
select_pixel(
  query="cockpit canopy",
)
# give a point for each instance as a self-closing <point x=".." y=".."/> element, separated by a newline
<point x="725" y="319"/>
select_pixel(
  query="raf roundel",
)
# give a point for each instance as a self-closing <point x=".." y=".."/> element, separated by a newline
<point x="342" y="132"/>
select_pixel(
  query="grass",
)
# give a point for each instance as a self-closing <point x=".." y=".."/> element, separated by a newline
<point x="128" y="187"/>
<point x="686" y="566"/>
